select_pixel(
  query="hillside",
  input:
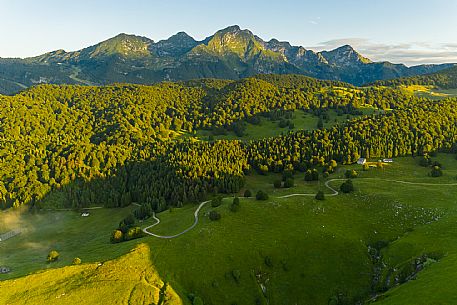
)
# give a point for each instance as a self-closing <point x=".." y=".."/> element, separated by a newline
<point x="444" y="79"/>
<point x="130" y="279"/>
<point x="131" y="154"/>
<point x="231" y="53"/>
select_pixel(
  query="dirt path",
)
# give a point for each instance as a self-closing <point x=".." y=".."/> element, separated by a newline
<point x="334" y="193"/>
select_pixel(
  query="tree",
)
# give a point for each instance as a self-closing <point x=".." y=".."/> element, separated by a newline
<point x="76" y="261"/>
<point x="277" y="184"/>
<point x="116" y="236"/>
<point x="216" y="202"/>
<point x="214" y="215"/>
<point x="351" y="173"/>
<point x="235" y="206"/>
<point x="261" y="195"/>
<point x="289" y="183"/>
<point x="247" y="193"/>
<point x="320" y="195"/>
<point x="53" y="255"/>
<point x="347" y="186"/>
<point x="436" y="172"/>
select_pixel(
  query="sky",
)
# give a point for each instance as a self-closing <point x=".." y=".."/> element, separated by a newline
<point x="400" y="31"/>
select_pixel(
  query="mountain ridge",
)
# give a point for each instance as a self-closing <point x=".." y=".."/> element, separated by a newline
<point x="230" y="53"/>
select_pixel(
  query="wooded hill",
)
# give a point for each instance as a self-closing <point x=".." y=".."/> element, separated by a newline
<point x="117" y="144"/>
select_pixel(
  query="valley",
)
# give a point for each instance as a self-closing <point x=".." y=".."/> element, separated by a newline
<point x="281" y="243"/>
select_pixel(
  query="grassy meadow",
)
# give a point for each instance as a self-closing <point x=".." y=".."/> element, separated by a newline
<point x="294" y="250"/>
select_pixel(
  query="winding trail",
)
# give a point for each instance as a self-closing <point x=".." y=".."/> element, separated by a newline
<point x="334" y="193"/>
<point x="145" y="230"/>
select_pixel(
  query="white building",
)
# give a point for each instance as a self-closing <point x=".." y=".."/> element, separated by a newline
<point x="362" y="161"/>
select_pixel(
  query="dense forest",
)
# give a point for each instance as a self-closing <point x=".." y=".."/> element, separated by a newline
<point x="119" y="144"/>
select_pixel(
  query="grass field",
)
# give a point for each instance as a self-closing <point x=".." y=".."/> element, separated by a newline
<point x="300" y="250"/>
<point x="130" y="279"/>
<point x="430" y="91"/>
<point x="267" y="128"/>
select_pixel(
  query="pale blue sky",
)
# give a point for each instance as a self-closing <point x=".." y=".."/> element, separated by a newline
<point x="405" y="31"/>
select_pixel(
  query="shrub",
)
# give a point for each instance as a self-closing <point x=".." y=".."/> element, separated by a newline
<point x="247" y="193"/>
<point x="52" y="256"/>
<point x="197" y="301"/>
<point x="213" y="216"/>
<point x="365" y="167"/>
<point x="116" y="236"/>
<point x="268" y="261"/>
<point x="132" y="233"/>
<point x="320" y="195"/>
<point x="236" y="274"/>
<point x="436" y="172"/>
<point x="311" y="175"/>
<point x="261" y="195"/>
<point x="350" y="173"/>
<point x="289" y="183"/>
<point x="235" y="206"/>
<point x="347" y="186"/>
<point x="277" y="184"/>
<point x="287" y="174"/>
<point x="76" y="261"/>
<point x="216" y="202"/>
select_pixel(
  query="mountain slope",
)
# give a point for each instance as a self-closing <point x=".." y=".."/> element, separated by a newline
<point x="444" y="79"/>
<point x="131" y="278"/>
<point x="230" y="53"/>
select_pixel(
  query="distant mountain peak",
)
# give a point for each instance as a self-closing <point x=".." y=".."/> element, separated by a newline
<point x="344" y="56"/>
<point x="231" y="29"/>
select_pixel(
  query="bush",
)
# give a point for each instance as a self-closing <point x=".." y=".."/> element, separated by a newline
<point x="436" y="172"/>
<point x="365" y="167"/>
<point x="76" y="261"/>
<point x="236" y="274"/>
<point x="213" y="216"/>
<point x="216" y="202"/>
<point x="277" y="184"/>
<point x="197" y="301"/>
<point x="350" y="173"/>
<point x="116" y="236"/>
<point x="268" y="261"/>
<point x="347" y="186"/>
<point x="247" y="193"/>
<point x="261" y="195"/>
<point x="320" y="195"/>
<point x="311" y="175"/>
<point x="132" y="233"/>
<point x="289" y="183"/>
<point x="53" y="256"/>
<point x="235" y="206"/>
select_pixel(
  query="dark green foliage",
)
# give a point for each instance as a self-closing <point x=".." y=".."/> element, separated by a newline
<point x="320" y="195"/>
<point x="235" y="206"/>
<point x="446" y="79"/>
<point x="289" y="183"/>
<point x="216" y="202"/>
<point x="436" y="171"/>
<point x="268" y="261"/>
<point x="347" y="186"/>
<point x="214" y="215"/>
<point x="277" y="184"/>
<point x="261" y="195"/>
<point x="311" y="175"/>
<point x="351" y="173"/>
<point x="247" y="193"/>
<point x="236" y="274"/>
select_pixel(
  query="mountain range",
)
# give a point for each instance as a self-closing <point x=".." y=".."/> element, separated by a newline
<point x="230" y="53"/>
